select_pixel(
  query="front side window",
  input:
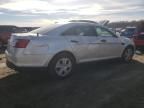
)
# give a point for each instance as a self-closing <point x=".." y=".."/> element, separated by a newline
<point x="80" y="31"/>
<point x="103" y="32"/>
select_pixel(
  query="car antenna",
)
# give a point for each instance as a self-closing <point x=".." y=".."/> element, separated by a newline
<point x="37" y="34"/>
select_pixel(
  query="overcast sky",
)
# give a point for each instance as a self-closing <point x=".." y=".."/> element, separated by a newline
<point x="43" y="12"/>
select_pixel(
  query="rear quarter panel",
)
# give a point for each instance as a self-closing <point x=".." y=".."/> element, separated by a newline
<point x="48" y="47"/>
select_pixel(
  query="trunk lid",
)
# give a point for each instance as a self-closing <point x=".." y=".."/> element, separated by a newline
<point x="15" y="37"/>
<point x="37" y="43"/>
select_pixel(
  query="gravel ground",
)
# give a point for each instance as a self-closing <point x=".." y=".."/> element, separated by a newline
<point x="107" y="84"/>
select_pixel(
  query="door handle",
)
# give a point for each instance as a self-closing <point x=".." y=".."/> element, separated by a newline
<point x="74" y="41"/>
<point x="103" y="40"/>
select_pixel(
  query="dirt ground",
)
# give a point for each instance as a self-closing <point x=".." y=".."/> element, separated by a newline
<point x="106" y="84"/>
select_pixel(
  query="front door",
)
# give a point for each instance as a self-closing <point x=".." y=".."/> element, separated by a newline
<point x="110" y="45"/>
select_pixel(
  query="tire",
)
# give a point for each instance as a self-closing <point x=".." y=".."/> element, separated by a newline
<point x="128" y="54"/>
<point x="62" y="65"/>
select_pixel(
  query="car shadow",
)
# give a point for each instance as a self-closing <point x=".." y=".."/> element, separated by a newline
<point x="36" y="88"/>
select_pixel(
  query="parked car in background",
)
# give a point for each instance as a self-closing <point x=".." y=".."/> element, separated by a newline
<point x="60" y="46"/>
<point x="138" y="39"/>
<point x="128" y="32"/>
<point x="4" y="36"/>
<point x="139" y="36"/>
<point x="5" y="33"/>
<point x="136" y="34"/>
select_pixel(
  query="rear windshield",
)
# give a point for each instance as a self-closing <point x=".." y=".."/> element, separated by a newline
<point x="46" y="29"/>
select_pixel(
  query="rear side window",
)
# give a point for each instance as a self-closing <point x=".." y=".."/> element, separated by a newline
<point x="80" y="31"/>
<point x="45" y="30"/>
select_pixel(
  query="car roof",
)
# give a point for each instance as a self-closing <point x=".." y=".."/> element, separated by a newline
<point x="57" y="28"/>
<point x="83" y="21"/>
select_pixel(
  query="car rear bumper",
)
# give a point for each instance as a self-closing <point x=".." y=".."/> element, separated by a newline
<point x="19" y="60"/>
<point x="25" y="69"/>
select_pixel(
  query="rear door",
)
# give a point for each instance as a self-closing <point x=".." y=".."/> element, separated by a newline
<point x="81" y="37"/>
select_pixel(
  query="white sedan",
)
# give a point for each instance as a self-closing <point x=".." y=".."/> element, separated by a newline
<point x="61" y="46"/>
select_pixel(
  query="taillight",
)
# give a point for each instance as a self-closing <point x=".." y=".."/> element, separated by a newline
<point x="22" y="43"/>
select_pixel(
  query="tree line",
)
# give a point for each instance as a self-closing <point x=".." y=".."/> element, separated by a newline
<point x="123" y="24"/>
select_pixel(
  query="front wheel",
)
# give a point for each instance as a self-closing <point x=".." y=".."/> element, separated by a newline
<point x="62" y="65"/>
<point x="128" y="54"/>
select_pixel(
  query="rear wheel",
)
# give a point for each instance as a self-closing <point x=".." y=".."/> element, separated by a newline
<point x="128" y="54"/>
<point x="62" y="65"/>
